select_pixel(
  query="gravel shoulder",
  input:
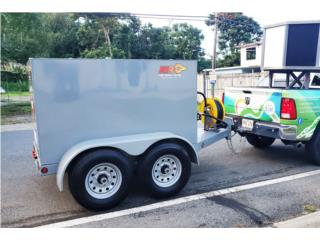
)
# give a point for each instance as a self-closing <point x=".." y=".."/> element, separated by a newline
<point x="20" y="119"/>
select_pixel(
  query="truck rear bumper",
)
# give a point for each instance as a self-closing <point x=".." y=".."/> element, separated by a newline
<point x="273" y="130"/>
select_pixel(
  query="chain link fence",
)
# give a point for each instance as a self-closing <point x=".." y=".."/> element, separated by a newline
<point x="14" y="83"/>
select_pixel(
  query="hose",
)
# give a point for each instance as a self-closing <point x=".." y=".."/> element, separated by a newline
<point x="220" y="111"/>
<point x="204" y="97"/>
<point x="220" y="120"/>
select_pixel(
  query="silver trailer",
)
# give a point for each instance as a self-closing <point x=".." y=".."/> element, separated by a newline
<point x="109" y="122"/>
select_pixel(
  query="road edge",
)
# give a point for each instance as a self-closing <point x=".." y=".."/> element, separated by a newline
<point x="17" y="127"/>
<point x="311" y="220"/>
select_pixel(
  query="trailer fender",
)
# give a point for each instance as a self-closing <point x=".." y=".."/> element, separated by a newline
<point x="133" y="145"/>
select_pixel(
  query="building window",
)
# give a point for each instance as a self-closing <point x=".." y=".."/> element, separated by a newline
<point x="251" y="53"/>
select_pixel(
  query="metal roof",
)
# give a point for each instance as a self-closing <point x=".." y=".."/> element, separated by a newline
<point x="249" y="45"/>
<point x="292" y="22"/>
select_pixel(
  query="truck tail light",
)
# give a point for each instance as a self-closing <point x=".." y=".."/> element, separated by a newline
<point x="288" y="109"/>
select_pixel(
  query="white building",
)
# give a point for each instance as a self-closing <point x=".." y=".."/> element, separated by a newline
<point x="250" y="60"/>
<point x="250" y="54"/>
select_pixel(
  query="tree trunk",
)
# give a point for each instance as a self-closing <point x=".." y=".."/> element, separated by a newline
<point x="107" y="37"/>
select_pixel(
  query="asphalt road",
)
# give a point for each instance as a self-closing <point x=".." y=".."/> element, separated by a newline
<point x="251" y="208"/>
<point x="30" y="200"/>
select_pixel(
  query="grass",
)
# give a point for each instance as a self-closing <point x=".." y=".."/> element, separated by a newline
<point x="309" y="208"/>
<point x="15" y="109"/>
<point x="20" y="86"/>
<point x="15" y="93"/>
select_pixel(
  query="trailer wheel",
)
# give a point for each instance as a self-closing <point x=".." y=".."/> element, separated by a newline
<point x="100" y="179"/>
<point x="165" y="170"/>
<point x="259" y="141"/>
<point x="313" y="147"/>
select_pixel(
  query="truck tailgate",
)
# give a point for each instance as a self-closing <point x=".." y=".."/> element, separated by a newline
<point x="255" y="103"/>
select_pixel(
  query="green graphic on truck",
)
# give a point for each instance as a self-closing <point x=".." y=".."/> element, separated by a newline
<point x="265" y="105"/>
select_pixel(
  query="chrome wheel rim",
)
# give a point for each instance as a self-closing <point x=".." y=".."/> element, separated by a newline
<point x="166" y="170"/>
<point x="103" y="180"/>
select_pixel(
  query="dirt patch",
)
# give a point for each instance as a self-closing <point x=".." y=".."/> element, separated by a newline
<point x="16" y="119"/>
<point x="14" y="113"/>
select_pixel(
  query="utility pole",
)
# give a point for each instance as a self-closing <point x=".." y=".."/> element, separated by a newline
<point x="214" y="54"/>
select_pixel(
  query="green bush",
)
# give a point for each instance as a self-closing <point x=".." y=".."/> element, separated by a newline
<point x="14" y="76"/>
<point x="20" y="86"/>
<point x="15" y="109"/>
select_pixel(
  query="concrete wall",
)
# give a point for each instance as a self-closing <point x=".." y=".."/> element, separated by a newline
<point x="228" y="80"/>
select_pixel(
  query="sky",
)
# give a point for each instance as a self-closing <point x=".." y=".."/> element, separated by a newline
<point x="263" y="18"/>
<point x="265" y="12"/>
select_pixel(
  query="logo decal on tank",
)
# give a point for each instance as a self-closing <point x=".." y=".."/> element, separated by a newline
<point x="173" y="70"/>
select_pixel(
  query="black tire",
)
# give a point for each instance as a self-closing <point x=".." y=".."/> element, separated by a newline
<point x="80" y="169"/>
<point x="313" y="147"/>
<point x="259" y="141"/>
<point x="146" y="165"/>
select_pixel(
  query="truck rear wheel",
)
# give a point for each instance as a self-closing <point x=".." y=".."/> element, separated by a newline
<point x="165" y="170"/>
<point x="259" y="141"/>
<point x="313" y="147"/>
<point x="100" y="179"/>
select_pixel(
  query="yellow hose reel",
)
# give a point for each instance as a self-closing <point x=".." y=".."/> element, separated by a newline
<point x="216" y="110"/>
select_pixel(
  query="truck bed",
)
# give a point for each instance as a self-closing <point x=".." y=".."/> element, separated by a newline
<point x="254" y="103"/>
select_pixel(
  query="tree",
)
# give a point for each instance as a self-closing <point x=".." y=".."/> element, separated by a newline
<point x="229" y="60"/>
<point x="95" y="35"/>
<point x="182" y="41"/>
<point x="204" y="63"/>
<point x="127" y="37"/>
<point x="23" y="35"/>
<point x="62" y="35"/>
<point x="234" y="29"/>
<point x="152" y="43"/>
<point x="187" y="40"/>
<point x="103" y="26"/>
